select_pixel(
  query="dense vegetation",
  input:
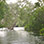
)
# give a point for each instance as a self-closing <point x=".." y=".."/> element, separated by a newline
<point x="26" y="15"/>
<point x="36" y="22"/>
<point x="3" y="12"/>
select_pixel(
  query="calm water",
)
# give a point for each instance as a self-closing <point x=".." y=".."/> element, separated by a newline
<point x="18" y="37"/>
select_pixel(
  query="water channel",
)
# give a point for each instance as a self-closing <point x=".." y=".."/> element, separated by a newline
<point x="18" y="37"/>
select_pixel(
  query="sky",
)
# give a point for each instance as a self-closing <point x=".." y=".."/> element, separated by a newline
<point x="14" y="1"/>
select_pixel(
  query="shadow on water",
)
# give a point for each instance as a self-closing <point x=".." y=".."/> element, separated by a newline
<point x="19" y="37"/>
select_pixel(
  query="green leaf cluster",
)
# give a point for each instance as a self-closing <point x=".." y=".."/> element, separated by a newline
<point x="36" y="22"/>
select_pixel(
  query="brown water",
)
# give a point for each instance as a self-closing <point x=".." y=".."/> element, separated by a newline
<point x="18" y="37"/>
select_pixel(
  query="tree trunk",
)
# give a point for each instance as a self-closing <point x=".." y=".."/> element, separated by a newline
<point x="11" y="28"/>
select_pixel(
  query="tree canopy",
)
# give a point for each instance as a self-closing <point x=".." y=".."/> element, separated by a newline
<point x="23" y="13"/>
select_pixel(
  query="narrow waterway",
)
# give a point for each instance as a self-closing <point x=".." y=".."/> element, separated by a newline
<point x="18" y="37"/>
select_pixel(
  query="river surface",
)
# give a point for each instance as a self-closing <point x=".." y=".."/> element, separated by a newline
<point x="18" y="37"/>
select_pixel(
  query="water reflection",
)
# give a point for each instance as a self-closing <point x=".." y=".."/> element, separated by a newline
<point x="19" y="37"/>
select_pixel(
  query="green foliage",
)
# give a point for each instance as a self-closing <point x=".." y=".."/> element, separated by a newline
<point x="41" y="2"/>
<point x="24" y="12"/>
<point x="37" y="4"/>
<point x="1" y="25"/>
<point x="3" y="12"/>
<point x="42" y="31"/>
<point x="23" y="15"/>
<point x="36" y="20"/>
<point x="3" y="9"/>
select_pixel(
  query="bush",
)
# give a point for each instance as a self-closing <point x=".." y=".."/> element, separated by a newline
<point x="36" y="22"/>
<point x="42" y="31"/>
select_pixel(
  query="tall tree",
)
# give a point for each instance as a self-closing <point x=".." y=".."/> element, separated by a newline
<point x="3" y="11"/>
